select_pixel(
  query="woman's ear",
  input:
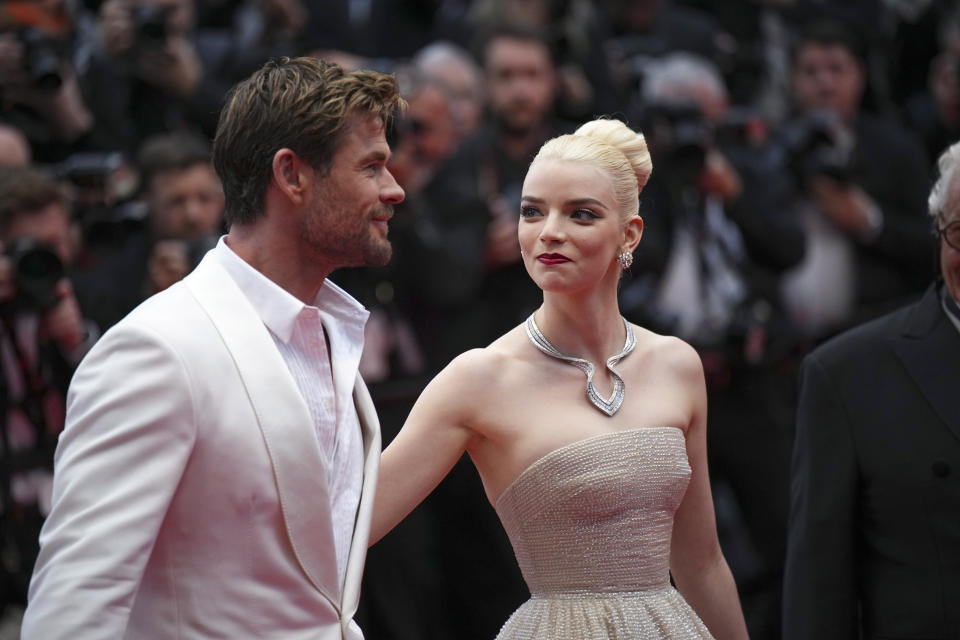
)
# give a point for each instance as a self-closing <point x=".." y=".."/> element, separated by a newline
<point x="632" y="233"/>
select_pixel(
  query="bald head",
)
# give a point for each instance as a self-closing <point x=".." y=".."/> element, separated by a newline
<point x="14" y="148"/>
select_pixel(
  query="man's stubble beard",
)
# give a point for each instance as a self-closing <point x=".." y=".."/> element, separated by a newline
<point x="361" y="247"/>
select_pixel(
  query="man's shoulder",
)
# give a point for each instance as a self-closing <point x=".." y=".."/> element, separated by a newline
<point x="878" y="132"/>
<point x="860" y="343"/>
<point x="174" y="313"/>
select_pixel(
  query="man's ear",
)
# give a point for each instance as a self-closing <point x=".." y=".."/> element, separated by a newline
<point x="632" y="233"/>
<point x="291" y="175"/>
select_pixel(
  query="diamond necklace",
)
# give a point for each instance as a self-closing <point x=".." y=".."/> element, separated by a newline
<point x="610" y="406"/>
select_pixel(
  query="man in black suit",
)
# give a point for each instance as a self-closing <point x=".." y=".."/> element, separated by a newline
<point x="874" y="540"/>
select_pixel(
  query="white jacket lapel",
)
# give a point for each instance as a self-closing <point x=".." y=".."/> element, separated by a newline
<point x="370" y="426"/>
<point x="284" y="421"/>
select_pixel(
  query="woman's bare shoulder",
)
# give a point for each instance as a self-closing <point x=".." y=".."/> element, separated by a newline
<point x="670" y="353"/>
<point x="479" y="372"/>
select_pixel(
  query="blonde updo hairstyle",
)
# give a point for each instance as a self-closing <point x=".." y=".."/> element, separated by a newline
<point x="612" y="147"/>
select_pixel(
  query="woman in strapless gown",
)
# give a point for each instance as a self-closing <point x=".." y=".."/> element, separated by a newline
<point x="588" y="431"/>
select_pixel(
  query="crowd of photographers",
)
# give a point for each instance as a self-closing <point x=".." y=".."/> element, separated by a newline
<point x="792" y="141"/>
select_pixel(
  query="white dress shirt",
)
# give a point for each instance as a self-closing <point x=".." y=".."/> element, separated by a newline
<point x="820" y="292"/>
<point x="321" y="345"/>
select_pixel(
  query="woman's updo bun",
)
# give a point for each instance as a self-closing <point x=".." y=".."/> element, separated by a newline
<point x="613" y="147"/>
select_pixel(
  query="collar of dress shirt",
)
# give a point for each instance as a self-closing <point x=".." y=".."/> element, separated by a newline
<point x="951" y="307"/>
<point x="278" y="309"/>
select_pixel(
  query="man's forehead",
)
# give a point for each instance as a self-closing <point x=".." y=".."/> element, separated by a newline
<point x="504" y="49"/>
<point x="364" y="124"/>
<point x="363" y="135"/>
<point x="822" y="51"/>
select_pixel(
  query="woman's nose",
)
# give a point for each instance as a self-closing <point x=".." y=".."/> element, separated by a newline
<point x="552" y="230"/>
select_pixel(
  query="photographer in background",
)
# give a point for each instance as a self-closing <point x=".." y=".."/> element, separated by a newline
<point x="717" y="234"/>
<point x="184" y="218"/>
<point x="150" y="73"/>
<point x="43" y="336"/>
<point x="39" y="91"/>
<point x="861" y="183"/>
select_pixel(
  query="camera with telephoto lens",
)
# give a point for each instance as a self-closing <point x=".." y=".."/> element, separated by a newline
<point x="42" y="59"/>
<point x="37" y="270"/>
<point x="150" y="25"/>
<point x="815" y="145"/>
<point x="678" y="135"/>
<point x="104" y="188"/>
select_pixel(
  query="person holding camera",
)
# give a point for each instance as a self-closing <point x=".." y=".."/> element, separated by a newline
<point x="39" y="88"/>
<point x="149" y="73"/>
<point x="860" y="182"/>
<point x="716" y="239"/>
<point x="184" y="203"/>
<point x="43" y="336"/>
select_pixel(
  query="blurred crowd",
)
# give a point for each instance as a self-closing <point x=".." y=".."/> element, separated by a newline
<point x="793" y="145"/>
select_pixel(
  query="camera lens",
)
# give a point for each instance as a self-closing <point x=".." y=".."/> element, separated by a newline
<point x="36" y="272"/>
<point x="150" y="23"/>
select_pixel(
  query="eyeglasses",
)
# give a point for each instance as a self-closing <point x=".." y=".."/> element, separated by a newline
<point x="951" y="234"/>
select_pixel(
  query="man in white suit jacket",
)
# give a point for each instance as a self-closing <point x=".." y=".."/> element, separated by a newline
<point x="216" y="475"/>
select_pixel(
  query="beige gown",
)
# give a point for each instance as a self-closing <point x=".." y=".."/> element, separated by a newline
<point x="590" y="524"/>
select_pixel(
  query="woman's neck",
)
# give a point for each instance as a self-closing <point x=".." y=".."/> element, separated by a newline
<point x="589" y="327"/>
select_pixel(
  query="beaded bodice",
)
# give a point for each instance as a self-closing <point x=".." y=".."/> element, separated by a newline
<point x="597" y="515"/>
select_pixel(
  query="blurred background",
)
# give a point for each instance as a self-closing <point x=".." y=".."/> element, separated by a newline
<point x="793" y="144"/>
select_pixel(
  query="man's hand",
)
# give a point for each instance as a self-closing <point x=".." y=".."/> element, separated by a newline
<point x="503" y="247"/>
<point x="64" y="322"/>
<point x="63" y="107"/>
<point x="168" y="264"/>
<point x="846" y="204"/>
<point x="174" y="67"/>
<point x="720" y="178"/>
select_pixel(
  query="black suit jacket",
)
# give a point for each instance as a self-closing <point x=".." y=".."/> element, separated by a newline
<point x="874" y="537"/>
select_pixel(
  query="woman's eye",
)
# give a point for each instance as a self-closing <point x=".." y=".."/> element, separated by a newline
<point x="584" y="214"/>
<point x="528" y="212"/>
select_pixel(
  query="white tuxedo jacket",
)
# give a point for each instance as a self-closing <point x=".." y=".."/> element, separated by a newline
<point x="190" y="498"/>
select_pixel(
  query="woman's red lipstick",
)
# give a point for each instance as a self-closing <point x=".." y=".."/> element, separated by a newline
<point x="552" y="258"/>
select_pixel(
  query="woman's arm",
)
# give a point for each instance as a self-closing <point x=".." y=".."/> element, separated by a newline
<point x="696" y="562"/>
<point x="432" y="440"/>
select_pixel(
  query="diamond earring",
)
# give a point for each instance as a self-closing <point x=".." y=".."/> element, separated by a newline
<point x="625" y="259"/>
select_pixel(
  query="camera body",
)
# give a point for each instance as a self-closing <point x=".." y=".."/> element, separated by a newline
<point x="815" y="145"/>
<point x="149" y="25"/>
<point x="37" y="270"/>
<point x="104" y="187"/>
<point x="679" y="136"/>
<point x="42" y="59"/>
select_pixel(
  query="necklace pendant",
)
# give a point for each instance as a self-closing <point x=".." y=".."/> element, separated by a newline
<point x="610" y="405"/>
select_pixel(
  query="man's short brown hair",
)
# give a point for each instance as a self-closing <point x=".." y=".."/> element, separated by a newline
<point x="25" y="190"/>
<point x="301" y="104"/>
<point x="170" y="152"/>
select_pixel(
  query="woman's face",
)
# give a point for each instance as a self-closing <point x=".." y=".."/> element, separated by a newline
<point x="571" y="229"/>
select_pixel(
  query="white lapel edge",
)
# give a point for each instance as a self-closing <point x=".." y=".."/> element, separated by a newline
<point x="298" y="466"/>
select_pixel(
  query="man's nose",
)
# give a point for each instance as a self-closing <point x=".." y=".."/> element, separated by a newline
<point x="392" y="192"/>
